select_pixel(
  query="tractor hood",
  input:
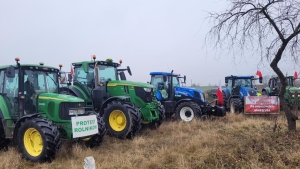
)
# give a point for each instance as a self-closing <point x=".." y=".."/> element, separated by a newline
<point x="292" y="89"/>
<point x="248" y="91"/>
<point x="59" y="97"/>
<point x="191" y="92"/>
<point x="128" y="83"/>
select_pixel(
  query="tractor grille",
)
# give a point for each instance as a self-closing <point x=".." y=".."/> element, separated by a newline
<point x="64" y="109"/>
<point x="145" y="96"/>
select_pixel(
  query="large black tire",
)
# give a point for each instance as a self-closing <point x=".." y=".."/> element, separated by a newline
<point x="38" y="140"/>
<point x="236" y="106"/>
<point x="97" y="139"/>
<point x="161" y="119"/>
<point x="4" y="142"/>
<point x="187" y="111"/>
<point x="225" y="101"/>
<point x="122" y="119"/>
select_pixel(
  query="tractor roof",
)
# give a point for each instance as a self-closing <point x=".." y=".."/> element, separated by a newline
<point x="166" y="73"/>
<point x="101" y="62"/>
<point x="239" y="77"/>
<point x="30" y="65"/>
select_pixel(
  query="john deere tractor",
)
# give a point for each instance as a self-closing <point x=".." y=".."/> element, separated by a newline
<point x="291" y="93"/>
<point x="186" y="103"/>
<point x="237" y="87"/>
<point x="123" y="104"/>
<point x="35" y="116"/>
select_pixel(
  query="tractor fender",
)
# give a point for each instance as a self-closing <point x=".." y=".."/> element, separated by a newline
<point x="18" y="125"/>
<point x="104" y="105"/>
<point x="180" y="101"/>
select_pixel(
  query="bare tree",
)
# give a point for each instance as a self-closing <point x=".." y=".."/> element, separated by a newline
<point x="269" y="27"/>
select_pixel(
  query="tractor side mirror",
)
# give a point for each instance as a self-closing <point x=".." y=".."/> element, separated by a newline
<point x="164" y="77"/>
<point x="10" y="72"/>
<point x="226" y="80"/>
<point x="260" y="79"/>
<point x="184" y="79"/>
<point x="122" y="76"/>
<point x="129" y="71"/>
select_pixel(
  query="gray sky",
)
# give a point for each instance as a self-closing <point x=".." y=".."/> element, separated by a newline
<point x="148" y="35"/>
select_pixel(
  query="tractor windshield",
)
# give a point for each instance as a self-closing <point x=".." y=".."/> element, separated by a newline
<point x="41" y="81"/>
<point x="87" y="78"/>
<point x="243" y="82"/>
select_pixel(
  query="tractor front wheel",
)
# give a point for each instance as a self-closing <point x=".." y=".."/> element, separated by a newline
<point x="38" y="140"/>
<point x="161" y="115"/>
<point x="122" y="119"/>
<point x="236" y="106"/>
<point x="97" y="139"/>
<point x="187" y="111"/>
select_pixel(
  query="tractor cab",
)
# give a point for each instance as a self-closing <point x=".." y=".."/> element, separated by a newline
<point x="22" y="86"/>
<point x="241" y="85"/>
<point x="164" y="85"/>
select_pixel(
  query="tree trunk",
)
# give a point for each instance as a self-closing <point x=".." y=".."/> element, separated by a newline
<point x="290" y="116"/>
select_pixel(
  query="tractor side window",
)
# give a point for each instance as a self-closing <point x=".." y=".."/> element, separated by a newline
<point x="229" y="86"/>
<point x="80" y="75"/>
<point x="11" y="85"/>
<point x="175" y="81"/>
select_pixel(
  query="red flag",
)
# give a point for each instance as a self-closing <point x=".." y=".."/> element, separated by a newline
<point x="63" y="79"/>
<point x="295" y="75"/>
<point x="258" y="73"/>
<point x="220" y="95"/>
<point x="72" y="72"/>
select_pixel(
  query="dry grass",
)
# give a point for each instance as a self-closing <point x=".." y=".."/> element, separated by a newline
<point x="235" y="141"/>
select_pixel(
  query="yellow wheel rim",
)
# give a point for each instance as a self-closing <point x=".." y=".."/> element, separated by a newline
<point x="33" y="142"/>
<point x="117" y="120"/>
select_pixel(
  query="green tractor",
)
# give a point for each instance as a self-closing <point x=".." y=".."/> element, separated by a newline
<point x="292" y="93"/>
<point x="124" y="105"/>
<point x="34" y="116"/>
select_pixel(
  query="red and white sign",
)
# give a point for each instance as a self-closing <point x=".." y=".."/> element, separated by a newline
<point x="261" y="105"/>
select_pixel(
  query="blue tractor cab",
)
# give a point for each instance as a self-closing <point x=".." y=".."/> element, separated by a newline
<point x="186" y="103"/>
<point x="237" y="87"/>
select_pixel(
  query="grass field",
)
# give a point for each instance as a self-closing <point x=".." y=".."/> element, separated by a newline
<point x="234" y="141"/>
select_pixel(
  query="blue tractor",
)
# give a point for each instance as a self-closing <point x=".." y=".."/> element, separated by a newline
<point x="186" y="103"/>
<point x="237" y="87"/>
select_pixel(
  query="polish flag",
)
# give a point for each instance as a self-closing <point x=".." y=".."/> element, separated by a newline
<point x="72" y="72"/>
<point x="258" y="73"/>
<point x="220" y="95"/>
<point x="295" y="75"/>
<point x="63" y="80"/>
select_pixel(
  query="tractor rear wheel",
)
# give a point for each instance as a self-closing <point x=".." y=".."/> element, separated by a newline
<point x="38" y="140"/>
<point x="236" y="106"/>
<point x="187" y="111"/>
<point x="97" y="139"/>
<point x="122" y="119"/>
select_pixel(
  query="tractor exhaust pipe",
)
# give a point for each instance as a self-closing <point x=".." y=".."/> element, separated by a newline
<point x="171" y="87"/>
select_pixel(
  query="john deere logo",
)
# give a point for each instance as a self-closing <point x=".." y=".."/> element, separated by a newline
<point x="79" y="105"/>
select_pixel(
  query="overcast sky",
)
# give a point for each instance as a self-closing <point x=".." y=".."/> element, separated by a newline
<point x="148" y="35"/>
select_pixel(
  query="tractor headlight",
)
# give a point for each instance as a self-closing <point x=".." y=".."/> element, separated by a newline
<point x="76" y="111"/>
<point x="147" y="89"/>
<point x="293" y="95"/>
